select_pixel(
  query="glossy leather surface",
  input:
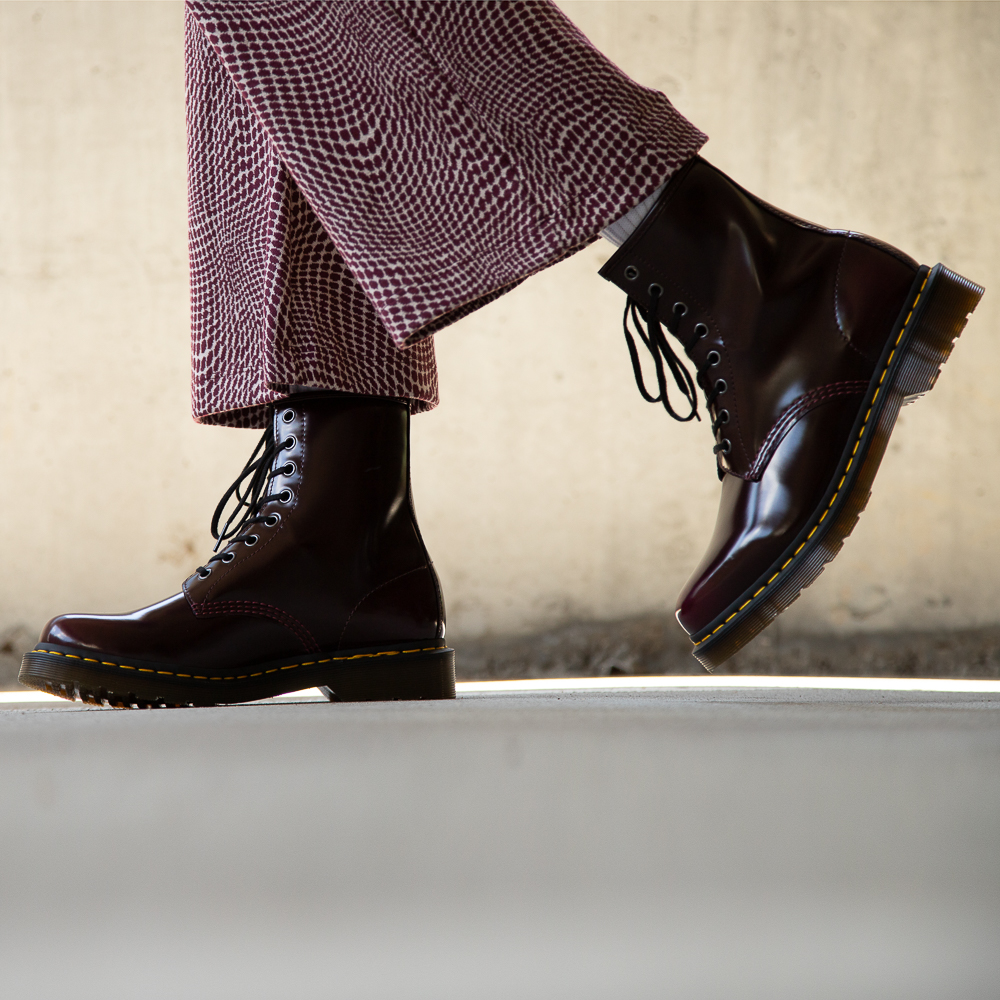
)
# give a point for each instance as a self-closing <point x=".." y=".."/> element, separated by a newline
<point x="344" y="567"/>
<point x="799" y="316"/>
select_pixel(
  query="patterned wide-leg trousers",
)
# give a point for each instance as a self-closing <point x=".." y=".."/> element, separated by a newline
<point x="364" y="172"/>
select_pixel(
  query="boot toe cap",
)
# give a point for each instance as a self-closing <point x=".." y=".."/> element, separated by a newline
<point x="77" y="630"/>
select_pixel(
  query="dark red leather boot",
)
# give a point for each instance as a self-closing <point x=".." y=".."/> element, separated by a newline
<point x="323" y="581"/>
<point x="806" y="342"/>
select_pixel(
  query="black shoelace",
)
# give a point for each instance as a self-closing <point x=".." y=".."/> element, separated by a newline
<point x="650" y="331"/>
<point x="248" y="492"/>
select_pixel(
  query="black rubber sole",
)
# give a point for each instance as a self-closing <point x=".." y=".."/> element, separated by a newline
<point x="935" y="314"/>
<point x="407" y="672"/>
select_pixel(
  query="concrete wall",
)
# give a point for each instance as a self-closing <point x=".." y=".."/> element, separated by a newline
<point x="547" y="490"/>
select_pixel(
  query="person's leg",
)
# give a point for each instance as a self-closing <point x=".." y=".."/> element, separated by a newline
<point x="362" y="174"/>
<point x="796" y="320"/>
<point x="450" y="150"/>
<point x="273" y="304"/>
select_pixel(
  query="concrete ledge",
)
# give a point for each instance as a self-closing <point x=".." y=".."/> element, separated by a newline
<point x="655" y="644"/>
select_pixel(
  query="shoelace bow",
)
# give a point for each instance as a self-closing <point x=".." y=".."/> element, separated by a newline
<point x="665" y="358"/>
<point x="256" y="475"/>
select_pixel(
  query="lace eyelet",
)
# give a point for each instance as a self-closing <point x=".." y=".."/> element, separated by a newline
<point x="714" y="357"/>
<point x="723" y="417"/>
<point x="288" y="469"/>
<point x="285" y="496"/>
<point x="290" y="442"/>
<point x="701" y="330"/>
<point x="228" y="557"/>
<point x="271" y="520"/>
<point x="720" y="386"/>
<point x="206" y="574"/>
<point x="288" y="416"/>
<point x="725" y="446"/>
<point x="631" y="273"/>
<point x="680" y="309"/>
<point x="655" y="289"/>
<point x="248" y="543"/>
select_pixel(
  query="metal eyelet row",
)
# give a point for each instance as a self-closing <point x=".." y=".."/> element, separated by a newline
<point x="714" y="358"/>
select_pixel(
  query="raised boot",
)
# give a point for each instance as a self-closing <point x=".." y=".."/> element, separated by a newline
<point x="806" y="341"/>
<point x="323" y="581"/>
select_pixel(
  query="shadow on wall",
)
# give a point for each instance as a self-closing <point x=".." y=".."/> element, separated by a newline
<point x="655" y="644"/>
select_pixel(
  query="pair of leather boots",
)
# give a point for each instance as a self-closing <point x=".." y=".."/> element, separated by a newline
<point x="805" y="342"/>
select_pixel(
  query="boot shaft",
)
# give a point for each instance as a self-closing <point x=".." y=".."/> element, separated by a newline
<point x="338" y="547"/>
<point x="772" y="310"/>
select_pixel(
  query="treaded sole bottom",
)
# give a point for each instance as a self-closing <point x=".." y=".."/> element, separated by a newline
<point x="950" y="299"/>
<point x="392" y="674"/>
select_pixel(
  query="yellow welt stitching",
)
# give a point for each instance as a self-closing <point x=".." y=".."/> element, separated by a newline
<point x="273" y="670"/>
<point x="854" y="452"/>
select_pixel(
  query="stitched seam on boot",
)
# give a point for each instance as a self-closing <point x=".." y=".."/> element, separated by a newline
<point x="374" y="590"/>
<point x="836" y="299"/>
<point x="791" y="416"/>
<point x="239" y="677"/>
<point x="843" y="478"/>
<point x="260" y="610"/>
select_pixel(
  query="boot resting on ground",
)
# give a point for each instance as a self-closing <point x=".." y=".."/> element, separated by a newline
<point x="325" y="582"/>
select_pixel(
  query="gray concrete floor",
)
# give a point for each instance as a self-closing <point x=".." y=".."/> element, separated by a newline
<point x="691" y="843"/>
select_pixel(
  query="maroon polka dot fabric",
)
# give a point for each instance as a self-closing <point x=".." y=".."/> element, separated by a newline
<point x="364" y="173"/>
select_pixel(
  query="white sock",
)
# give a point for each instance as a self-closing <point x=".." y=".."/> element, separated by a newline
<point x="621" y="229"/>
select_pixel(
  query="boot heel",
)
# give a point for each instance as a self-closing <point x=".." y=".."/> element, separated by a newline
<point x="417" y="676"/>
<point x="941" y="312"/>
